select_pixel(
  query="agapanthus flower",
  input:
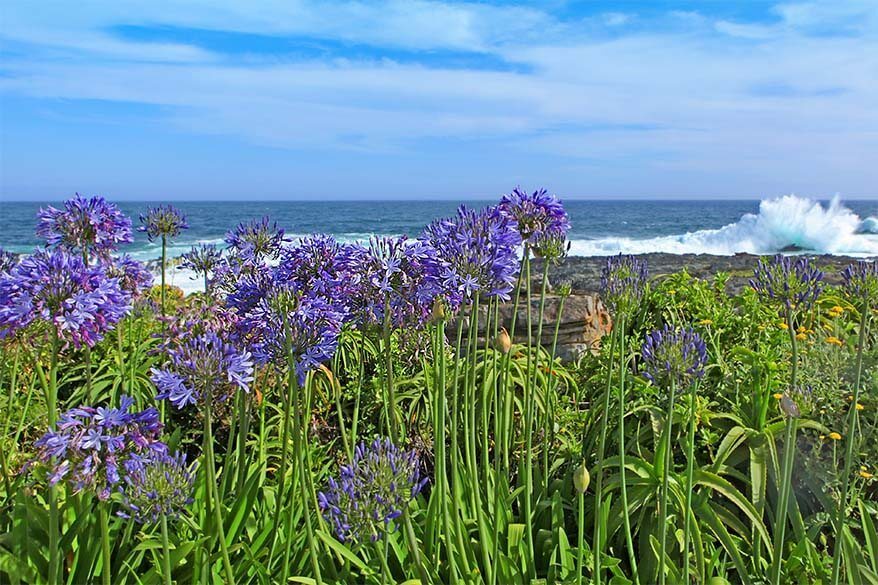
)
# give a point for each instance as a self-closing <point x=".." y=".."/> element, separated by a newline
<point x="82" y="303"/>
<point x="861" y="282"/>
<point x="675" y="356"/>
<point x="161" y="485"/>
<point x="403" y="275"/>
<point x="7" y="260"/>
<point x="94" y="449"/>
<point x="477" y="251"/>
<point x="287" y="324"/>
<point x="623" y="282"/>
<point x="371" y="492"/>
<point x="257" y="240"/>
<point x="539" y="216"/>
<point x="134" y="277"/>
<point x="202" y="260"/>
<point x="794" y="282"/>
<point x="163" y="221"/>
<point x="89" y="226"/>
<point x="203" y="368"/>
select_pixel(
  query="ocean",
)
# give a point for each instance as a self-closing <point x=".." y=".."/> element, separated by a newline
<point x="599" y="227"/>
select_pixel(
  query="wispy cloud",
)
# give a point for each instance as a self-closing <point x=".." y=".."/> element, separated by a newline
<point x="793" y="89"/>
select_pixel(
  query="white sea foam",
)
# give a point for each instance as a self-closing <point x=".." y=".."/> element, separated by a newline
<point x="781" y="224"/>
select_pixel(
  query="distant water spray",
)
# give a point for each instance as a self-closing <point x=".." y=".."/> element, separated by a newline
<point x="788" y="223"/>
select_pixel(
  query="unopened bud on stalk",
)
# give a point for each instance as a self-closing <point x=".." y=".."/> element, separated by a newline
<point x="581" y="479"/>
<point x="438" y="311"/>
<point x="503" y="343"/>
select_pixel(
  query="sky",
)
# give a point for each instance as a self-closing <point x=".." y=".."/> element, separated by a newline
<point x="302" y="99"/>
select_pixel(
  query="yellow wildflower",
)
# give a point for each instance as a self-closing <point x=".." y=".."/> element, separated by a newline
<point x="778" y="395"/>
<point x="672" y="292"/>
<point x="822" y="437"/>
<point x="784" y="326"/>
<point x="837" y="309"/>
<point x="834" y="340"/>
<point x="834" y="436"/>
<point x="801" y="336"/>
<point x="860" y="406"/>
<point x="706" y="322"/>
<point x="865" y="474"/>
<point x="801" y="329"/>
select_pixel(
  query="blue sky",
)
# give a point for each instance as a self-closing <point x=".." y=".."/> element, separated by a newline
<point x="299" y="99"/>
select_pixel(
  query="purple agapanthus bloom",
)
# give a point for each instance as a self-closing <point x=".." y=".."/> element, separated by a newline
<point x="372" y="491"/>
<point x="401" y="275"/>
<point x="794" y="282"/>
<point x="539" y="217"/>
<point x="477" y="251"/>
<point x="623" y="282"/>
<point x="7" y="260"/>
<point x="203" y="368"/>
<point x="673" y="356"/>
<point x="161" y="485"/>
<point x="164" y="222"/>
<point x="290" y="325"/>
<point x="89" y="226"/>
<point x="861" y="282"/>
<point x="201" y="259"/>
<point x="134" y="277"/>
<point x="81" y="302"/>
<point x="257" y="240"/>
<point x="93" y="449"/>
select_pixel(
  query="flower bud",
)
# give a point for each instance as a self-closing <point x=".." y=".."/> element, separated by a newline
<point x="503" y="343"/>
<point x="438" y="311"/>
<point x="581" y="479"/>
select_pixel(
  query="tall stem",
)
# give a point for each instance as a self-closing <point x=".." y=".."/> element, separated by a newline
<point x="690" y="471"/>
<point x="597" y="542"/>
<point x="666" y="474"/>
<point x="849" y="449"/>
<point x="52" y="405"/>
<point x="623" y="370"/>
<point x="528" y="428"/>
<point x="390" y="398"/>
<point x="166" y="551"/>
<point x="105" y="542"/>
<point x="213" y="493"/>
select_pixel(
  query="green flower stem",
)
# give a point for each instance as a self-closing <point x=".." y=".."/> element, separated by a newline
<point x="623" y="369"/>
<point x="666" y="474"/>
<point x="282" y="469"/>
<point x="537" y="354"/>
<point x="390" y="399"/>
<point x="528" y="429"/>
<point x="52" y="406"/>
<point x="597" y="542"/>
<point x="299" y="435"/>
<point x="440" y="409"/>
<point x="105" y="543"/>
<point x="213" y="494"/>
<point x="457" y="495"/>
<point x="780" y="522"/>
<point x="849" y="449"/>
<point x="690" y="471"/>
<point x="166" y="552"/>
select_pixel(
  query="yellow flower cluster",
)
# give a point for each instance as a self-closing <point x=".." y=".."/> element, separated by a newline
<point x="864" y="473"/>
<point x="834" y="436"/>
<point x="706" y="322"/>
<point x="836" y="311"/>
<point x="834" y="340"/>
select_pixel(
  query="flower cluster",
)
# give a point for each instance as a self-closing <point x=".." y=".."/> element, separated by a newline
<point x="94" y="448"/>
<point x="203" y="368"/>
<point x="7" y="260"/>
<point x="477" y="251"/>
<point x="541" y="220"/>
<point x="133" y="276"/>
<point x="81" y="302"/>
<point x="162" y="222"/>
<point x="257" y="240"/>
<point x="796" y="283"/>
<point x="90" y="226"/>
<point x="161" y="485"/>
<point x="201" y="259"/>
<point x="623" y="282"/>
<point x="289" y="325"/>
<point x="372" y="491"/>
<point x="673" y="356"/>
<point x="861" y="282"/>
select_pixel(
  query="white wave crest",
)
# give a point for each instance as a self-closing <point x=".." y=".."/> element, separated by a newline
<point x="782" y="224"/>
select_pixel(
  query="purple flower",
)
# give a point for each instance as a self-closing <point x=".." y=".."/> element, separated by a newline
<point x="91" y="226"/>
<point x="203" y="368"/>
<point x="81" y="302"/>
<point x="158" y="485"/>
<point x="796" y="283"/>
<point x="7" y="260"/>
<point x="94" y="448"/>
<point x="861" y="282"/>
<point x="623" y="282"/>
<point x="201" y="259"/>
<point x="540" y="218"/>
<point x="372" y="492"/>
<point x="257" y="240"/>
<point x="673" y="356"/>
<point x="163" y="222"/>
<point x="477" y="252"/>
<point x="133" y="276"/>
<point x="290" y="328"/>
